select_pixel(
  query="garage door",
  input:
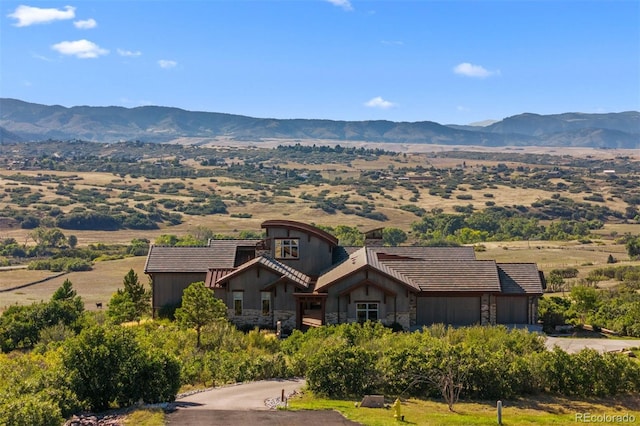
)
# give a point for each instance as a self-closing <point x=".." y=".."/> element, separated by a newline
<point x="511" y="310"/>
<point x="455" y="310"/>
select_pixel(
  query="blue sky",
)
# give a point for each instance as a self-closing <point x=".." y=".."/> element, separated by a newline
<point x="451" y="61"/>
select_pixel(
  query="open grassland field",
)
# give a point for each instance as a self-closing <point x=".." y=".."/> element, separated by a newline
<point x="535" y="410"/>
<point x="95" y="286"/>
<point x="367" y="189"/>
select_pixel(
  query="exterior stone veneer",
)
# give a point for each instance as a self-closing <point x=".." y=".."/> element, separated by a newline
<point x="402" y="318"/>
<point x="413" y="310"/>
<point x="488" y="309"/>
<point x="485" y="309"/>
<point x="254" y="317"/>
<point x="287" y="318"/>
<point x="493" y="313"/>
<point x="332" y="317"/>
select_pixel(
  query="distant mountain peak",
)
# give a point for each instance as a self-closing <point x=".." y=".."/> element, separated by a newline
<point x="23" y="121"/>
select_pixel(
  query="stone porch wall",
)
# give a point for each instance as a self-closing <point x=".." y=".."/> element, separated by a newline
<point x="254" y="317"/>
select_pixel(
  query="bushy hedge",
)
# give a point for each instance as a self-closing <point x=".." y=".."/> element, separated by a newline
<point x="67" y="264"/>
<point x="490" y="362"/>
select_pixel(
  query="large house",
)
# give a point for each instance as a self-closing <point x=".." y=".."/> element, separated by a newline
<point x="300" y="276"/>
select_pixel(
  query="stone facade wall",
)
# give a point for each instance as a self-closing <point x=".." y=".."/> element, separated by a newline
<point x="493" y="312"/>
<point x="332" y="317"/>
<point x="288" y="319"/>
<point x="485" y="309"/>
<point x="413" y="310"/>
<point x="402" y="318"/>
<point x="254" y="317"/>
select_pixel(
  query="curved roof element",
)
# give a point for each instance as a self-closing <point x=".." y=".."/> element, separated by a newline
<point x="303" y="227"/>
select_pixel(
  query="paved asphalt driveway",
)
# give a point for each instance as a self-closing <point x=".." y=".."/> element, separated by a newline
<point x="245" y="396"/>
<point x="244" y="404"/>
<point x="573" y="345"/>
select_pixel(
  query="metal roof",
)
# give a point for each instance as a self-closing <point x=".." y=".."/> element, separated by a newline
<point x="285" y="271"/>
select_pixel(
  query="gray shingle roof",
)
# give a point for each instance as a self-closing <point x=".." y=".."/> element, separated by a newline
<point x="428" y="253"/>
<point x="449" y="276"/>
<point x="219" y="254"/>
<point x="365" y="256"/>
<point x="520" y="278"/>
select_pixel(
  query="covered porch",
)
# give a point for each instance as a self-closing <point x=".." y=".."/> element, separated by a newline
<point x="310" y="310"/>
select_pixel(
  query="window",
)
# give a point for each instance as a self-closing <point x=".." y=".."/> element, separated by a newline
<point x="265" y="297"/>
<point x="286" y="248"/>
<point x="367" y="312"/>
<point x="237" y="302"/>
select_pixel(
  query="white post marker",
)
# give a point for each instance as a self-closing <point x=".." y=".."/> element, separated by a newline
<point x="499" y="412"/>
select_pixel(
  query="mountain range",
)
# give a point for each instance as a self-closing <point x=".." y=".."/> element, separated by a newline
<point x="29" y="122"/>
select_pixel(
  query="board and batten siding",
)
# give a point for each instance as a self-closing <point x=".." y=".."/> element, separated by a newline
<point x="455" y="310"/>
<point x="512" y="310"/>
<point x="168" y="287"/>
<point x="314" y="254"/>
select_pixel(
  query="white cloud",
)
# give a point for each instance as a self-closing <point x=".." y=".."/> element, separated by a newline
<point x="41" y="57"/>
<point x="166" y="64"/>
<point x="123" y="52"/>
<point x="345" y="4"/>
<point x="392" y="42"/>
<point x="471" y="70"/>
<point x="378" y="102"/>
<point x="28" y="15"/>
<point x="87" y="24"/>
<point x="83" y="49"/>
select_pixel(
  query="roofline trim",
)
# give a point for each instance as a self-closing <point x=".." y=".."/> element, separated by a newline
<point x="292" y="224"/>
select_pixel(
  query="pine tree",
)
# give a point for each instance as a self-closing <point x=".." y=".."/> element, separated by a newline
<point x="199" y="308"/>
<point x="130" y="303"/>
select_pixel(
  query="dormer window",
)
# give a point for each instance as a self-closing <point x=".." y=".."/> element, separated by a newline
<point x="286" y="248"/>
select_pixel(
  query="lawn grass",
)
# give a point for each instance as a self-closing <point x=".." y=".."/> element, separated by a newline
<point x="146" y="417"/>
<point x="538" y="410"/>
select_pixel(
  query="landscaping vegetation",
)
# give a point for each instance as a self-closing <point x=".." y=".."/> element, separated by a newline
<point x="66" y="207"/>
<point x="94" y="363"/>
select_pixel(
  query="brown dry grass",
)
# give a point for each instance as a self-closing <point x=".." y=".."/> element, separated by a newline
<point x="549" y="255"/>
<point x="95" y="286"/>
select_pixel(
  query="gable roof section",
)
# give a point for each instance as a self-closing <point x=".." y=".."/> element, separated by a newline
<point x="449" y="276"/>
<point x="520" y="278"/>
<point x="214" y="275"/>
<point x="303" y="227"/>
<point x="219" y="254"/>
<point x="298" y="278"/>
<point x="364" y="257"/>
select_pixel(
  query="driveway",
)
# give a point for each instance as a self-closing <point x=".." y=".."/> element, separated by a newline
<point x="244" y="396"/>
<point x="244" y="404"/>
<point x="573" y="345"/>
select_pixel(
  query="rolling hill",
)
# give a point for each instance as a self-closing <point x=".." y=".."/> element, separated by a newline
<point x="23" y="121"/>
